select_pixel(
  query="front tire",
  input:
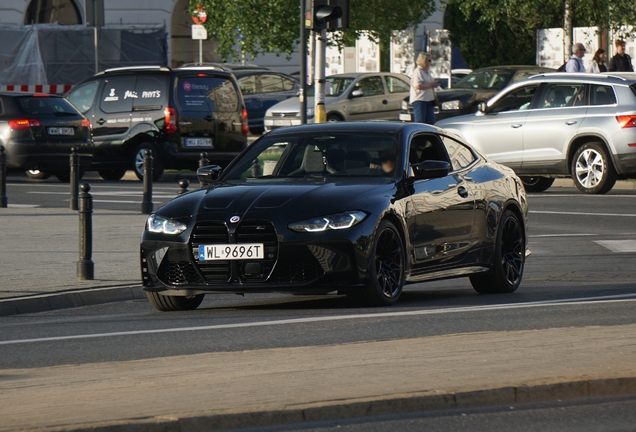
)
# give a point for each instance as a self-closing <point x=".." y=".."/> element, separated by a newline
<point x="138" y="162"/>
<point x="509" y="260"/>
<point x="166" y="303"/>
<point x="536" y="184"/>
<point x="386" y="269"/>
<point x="592" y="169"/>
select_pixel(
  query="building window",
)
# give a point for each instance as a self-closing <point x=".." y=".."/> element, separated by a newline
<point x="63" y="12"/>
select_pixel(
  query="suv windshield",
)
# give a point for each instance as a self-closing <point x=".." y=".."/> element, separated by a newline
<point x="318" y="155"/>
<point x="491" y="79"/>
<point x="46" y="105"/>
<point x="335" y="86"/>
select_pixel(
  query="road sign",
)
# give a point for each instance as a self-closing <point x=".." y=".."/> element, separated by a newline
<point x="199" y="32"/>
<point x="199" y="16"/>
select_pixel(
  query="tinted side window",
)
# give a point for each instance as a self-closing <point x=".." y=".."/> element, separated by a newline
<point x="150" y="93"/>
<point x="517" y="100"/>
<point x="426" y="148"/>
<point x="247" y="84"/>
<point x="288" y="84"/>
<point x="196" y="94"/>
<point x="118" y="95"/>
<point x="82" y="97"/>
<point x="225" y="95"/>
<point x="460" y="155"/>
<point x="371" y="86"/>
<point x="396" y="85"/>
<point x="44" y="105"/>
<point x="563" y="95"/>
<point x="271" y="83"/>
<point x="603" y="95"/>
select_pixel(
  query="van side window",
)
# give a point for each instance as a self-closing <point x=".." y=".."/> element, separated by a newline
<point x="82" y="97"/>
<point x="151" y="94"/>
<point x="118" y="95"/>
<point x="225" y="95"/>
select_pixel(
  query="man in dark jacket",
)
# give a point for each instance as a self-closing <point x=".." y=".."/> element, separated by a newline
<point x="621" y="62"/>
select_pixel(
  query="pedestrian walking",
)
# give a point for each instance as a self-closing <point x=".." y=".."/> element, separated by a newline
<point x="423" y="86"/>
<point x="597" y="65"/>
<point x="575" y="64"/>
<point x="621" y="62"/>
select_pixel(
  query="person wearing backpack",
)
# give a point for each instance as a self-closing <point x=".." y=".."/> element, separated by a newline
<point x="575" y="64"/>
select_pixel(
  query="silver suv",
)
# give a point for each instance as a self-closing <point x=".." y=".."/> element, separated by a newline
<point x="559" y="125"/>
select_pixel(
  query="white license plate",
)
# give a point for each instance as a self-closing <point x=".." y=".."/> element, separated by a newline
<point x="282" y="122"/>
<point x="197" y="142"/>
<point x="405" y="117"/>
<point x="222" y="252"/>
<point x="61" y="131"/>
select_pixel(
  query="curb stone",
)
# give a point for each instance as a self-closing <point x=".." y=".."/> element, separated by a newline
<point x="70" y="299"/>
<point x="354" y="408"/>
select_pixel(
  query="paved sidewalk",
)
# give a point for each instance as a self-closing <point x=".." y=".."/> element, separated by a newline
<point x="226" y="390"/>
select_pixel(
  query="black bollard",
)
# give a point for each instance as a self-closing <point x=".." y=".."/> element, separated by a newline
<point x="183" y="184"/>
<point x="256" y="169"/>
<point x="146" y="203"/>
<point x="203" y="162"/>
<point x="74" y="161"/>
<point x="85" y="265"/>
<point x="3" y="178"/>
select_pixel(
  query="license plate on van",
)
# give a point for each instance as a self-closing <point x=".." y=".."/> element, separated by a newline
<point x="61" y="131"/>
<point x="197" y="142"/>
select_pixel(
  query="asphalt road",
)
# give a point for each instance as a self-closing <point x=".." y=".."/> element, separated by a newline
<point x="580" y="273"/>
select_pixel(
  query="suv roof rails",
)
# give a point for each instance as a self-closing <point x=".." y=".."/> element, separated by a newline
<point x="578" y="75"/>
<point x="201" y="67"/>
<point x="135" y="68"/>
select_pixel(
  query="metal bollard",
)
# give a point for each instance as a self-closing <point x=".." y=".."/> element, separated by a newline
<point x="256" y="169"/>
<point x="146" y="203"/>
<point x="183" y="184"/>
<point x="74" y="161"/>
<point x="3" y="178"/>
<point x="85" y="265"/>
<point x="203" y="162"/>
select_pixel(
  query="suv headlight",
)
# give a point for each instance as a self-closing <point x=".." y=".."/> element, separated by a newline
<point x="332" y="222"/>
<point x="451" y="105"/>
<point x="160" y="224"/>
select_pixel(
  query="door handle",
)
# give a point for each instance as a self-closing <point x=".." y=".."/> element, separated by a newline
<point x="462" y="191"/>
<point x="385" y="101"/>
<point x="571" y="122"/>
<point x="101" y="122"/>
<point x="515" y="126"/>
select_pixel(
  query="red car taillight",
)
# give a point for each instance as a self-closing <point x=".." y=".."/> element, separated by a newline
<point x="626" y="121"/>
<point x="245" y="128"/>
<point x="170" y="116"/>
<point x="23" y="124"/>
<point x="86" y="123"/>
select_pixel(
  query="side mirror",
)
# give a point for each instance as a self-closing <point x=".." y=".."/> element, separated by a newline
<point x="482" y="108"/>
<point x="431" y="169"/>
<point x="209" y="174"/>
<point x="357" y="93"/>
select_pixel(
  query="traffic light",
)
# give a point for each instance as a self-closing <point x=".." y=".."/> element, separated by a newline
<point x="327" y="14"/>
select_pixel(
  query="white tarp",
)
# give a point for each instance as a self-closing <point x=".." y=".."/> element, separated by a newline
<point x="20" y="60"/>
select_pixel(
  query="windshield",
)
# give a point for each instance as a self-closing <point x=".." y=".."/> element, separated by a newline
<point x="335" y="86"/>
<point x="491" y="79"/>
<point x="318" y="155"/>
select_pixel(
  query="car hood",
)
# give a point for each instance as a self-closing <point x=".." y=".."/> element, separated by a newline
<point x="297" y="199"/>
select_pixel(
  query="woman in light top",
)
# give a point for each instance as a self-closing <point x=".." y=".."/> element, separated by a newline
<point x="597" y="65"/>
<point x="422" y="90"/>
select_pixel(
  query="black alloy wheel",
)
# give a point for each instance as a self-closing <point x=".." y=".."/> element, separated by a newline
<point x="165" y="303"/>
<point x="112" y="175"/>
<point x="386" y="272"/>
<point x="537" y="184"/>
<point x="509" y="259"/>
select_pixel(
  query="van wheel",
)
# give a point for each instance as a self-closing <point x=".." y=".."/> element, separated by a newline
<point x="112" y="175"/>
<point x="37" y="174"/>
<point x="138" y="162"/>
<point x="537" y="184"/>
<point x="592" y="169"/>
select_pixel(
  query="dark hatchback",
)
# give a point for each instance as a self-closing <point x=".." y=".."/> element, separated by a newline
<point x="38" y="132"/>
<point x="359" y="208"/>
<point x="176" y="113"/>
<point x="478" y="86"/>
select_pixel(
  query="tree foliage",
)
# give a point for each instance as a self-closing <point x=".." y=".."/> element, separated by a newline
<point x="266" y="26"/>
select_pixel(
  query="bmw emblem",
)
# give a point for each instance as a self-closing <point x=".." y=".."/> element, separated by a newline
<point x="235" y="219"/>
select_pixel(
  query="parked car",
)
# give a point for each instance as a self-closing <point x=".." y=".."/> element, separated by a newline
<point x="358" y="208"/>
<point x="559" y="125"/>
<point x="261" y="89"/>
<point x="476" y="87"/>
<point x="176" y="113"/>
<point x="447" y="82"/>
<point x="38" y="132"/>
<point x="348" y="97"/>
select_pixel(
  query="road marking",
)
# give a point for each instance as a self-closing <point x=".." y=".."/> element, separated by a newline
<point x="123" y="202"/>
<point x="620" y="246"/>
<point x="23" y="205"/>
<point x="583" y="214"/>
<point x="122" y="194"/>
<point x="545" y="303"/>
<point x="562" y="235"/>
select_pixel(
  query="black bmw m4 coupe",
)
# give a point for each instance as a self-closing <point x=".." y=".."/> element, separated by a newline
<point x="356" y="208"/>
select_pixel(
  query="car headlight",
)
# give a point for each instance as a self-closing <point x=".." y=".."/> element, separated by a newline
<point x="332" y="222"/>
<point x="159" y="224"/>
<point x="451" y="105"/>
<point x="405" y="105"/>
